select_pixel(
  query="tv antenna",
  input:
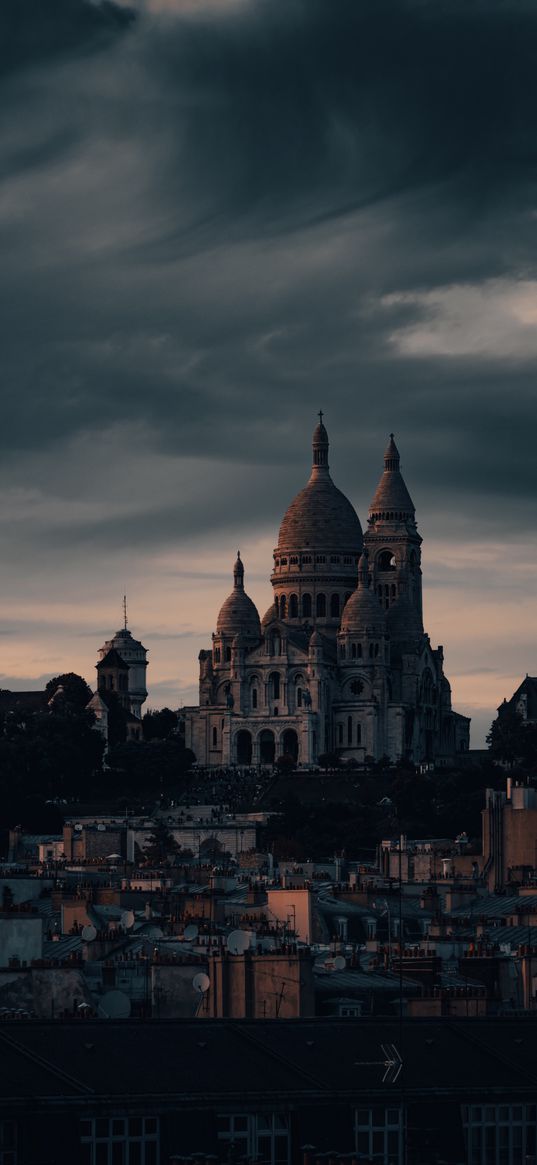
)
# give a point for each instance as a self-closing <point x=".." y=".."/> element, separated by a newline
<point x="392" y="1063"/>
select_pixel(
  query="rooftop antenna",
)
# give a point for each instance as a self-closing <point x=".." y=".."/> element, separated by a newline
<point x="125" y="620"/>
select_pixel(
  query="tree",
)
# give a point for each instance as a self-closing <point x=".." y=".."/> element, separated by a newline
<point x="510" y="739"/>
<point x="161" y="845"/>
<point x="329" y="760"/>
<point x="76" y="692"/>
<point x="159" y="724"/>
<point x="286" y="763"/>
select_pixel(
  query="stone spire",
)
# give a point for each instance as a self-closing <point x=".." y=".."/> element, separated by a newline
<point x="238" y="572"/>
<point x="320" y="447"/>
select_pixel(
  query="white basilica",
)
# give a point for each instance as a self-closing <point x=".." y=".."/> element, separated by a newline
<point x="340" y="662"/>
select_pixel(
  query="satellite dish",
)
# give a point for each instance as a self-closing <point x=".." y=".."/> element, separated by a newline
<point x="78" y="827"/>
<point x="115" y="1005"/>
<point x="339" y="963"/>
<point x="201" y="982"/>
<point x="154" y="932"/>
<point x="268" y="944"/>
<point x="89" y="933"/>
<point x="101" y="828"/>
<point x="127" y="919"/>
<point x="190" y="932"/>
<point x="238" y="942"/>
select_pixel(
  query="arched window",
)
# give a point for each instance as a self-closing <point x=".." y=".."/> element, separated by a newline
<point x="321" y="606"/>
<point x="342" y="651"/>
<point x="393" y="590"/>
<point x="358" y="733"/>
<point x="254" y="697"/>
<point x="275" y="644"/>
<point x="283" y="606"/>
<point x="359" y="650"/>
<point x="353" y="651"/>
<point x="347" y="596"/>
<point x="215" y="737"/>
<point x="371" y="650"/>
<point x="293" y="606"/>
<point x="306" y="606"/>
<point x="228" y="654"/>
<point x="334" y="607"/>
<point x="299" y="697"/>
<point x="349" y="729"/>
<point x="275" y="685"/>
<point x="340" y="734"/>
<point x="386" y="560"/>
<point x="276" y="605"/>
<point x="217" y="655"/>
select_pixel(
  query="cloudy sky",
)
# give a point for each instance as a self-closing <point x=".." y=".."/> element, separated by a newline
<point x="217" y="217"/>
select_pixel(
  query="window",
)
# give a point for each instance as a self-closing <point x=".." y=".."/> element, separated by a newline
<point x="217" y="655"/>
<point x="283" y="606"/>
<point x="358" y="733"/>
<point x="293" y="606"/>
<point x="275" y="685"/>
<point x="502" y="1134"/>
<point x="321" y="606"/>
<point x="340" y="734"/>
<point x="228" y="654"/>
<point x="386" y="560"/>
<point x="349" y="729"/>
<point x="342" y="651"/>
<point x="261" y="1136"/>
<point x="379" y="1134"/>
<point x="334" y="606"/>
<point x="254" y="697"/>
<point x="293" y="561"/>
<point x="347" y="560"/>
<point x="215" y="737"/>
<point x="8" y="1143"/>
<point x="306" y="559"/>
<point x="283" y="561"/>
<point x="335" y="558"/>
<point x="353" y="651"/>
<point x="306" y="606"/>
<point x="321" y="558"/>
<point x="350" y="1010"/>
<point x="120" y="1141"/>
<point x="299" y="697"/>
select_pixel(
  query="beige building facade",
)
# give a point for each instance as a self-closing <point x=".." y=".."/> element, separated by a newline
<point x="340" y="661"/>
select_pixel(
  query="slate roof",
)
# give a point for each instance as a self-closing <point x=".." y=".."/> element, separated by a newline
<point x="228" y="1060"/>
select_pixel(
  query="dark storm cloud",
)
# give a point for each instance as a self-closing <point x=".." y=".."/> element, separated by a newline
<point x="32" y="32"/>
<point x="204" y="221"/>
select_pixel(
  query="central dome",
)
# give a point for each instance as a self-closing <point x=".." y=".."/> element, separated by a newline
<point x="320" y="517"/>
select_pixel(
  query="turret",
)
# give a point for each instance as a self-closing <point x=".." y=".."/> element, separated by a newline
<point x="394" y="547"/>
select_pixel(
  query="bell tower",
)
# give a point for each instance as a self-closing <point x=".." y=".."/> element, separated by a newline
<point x="394" y="547"/>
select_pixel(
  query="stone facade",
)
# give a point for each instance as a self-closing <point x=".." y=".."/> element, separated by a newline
<point x="340" y="662"/>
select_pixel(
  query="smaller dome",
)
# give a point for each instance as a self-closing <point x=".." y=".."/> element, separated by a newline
<point x="269" y="615"/>
<point x="238" y="614"/>
<point x="316" y="640"/>
<point x="363" y="612"/>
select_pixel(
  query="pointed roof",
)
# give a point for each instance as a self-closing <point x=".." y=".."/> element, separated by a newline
<point x="391" y="496"/>
<point x="112" y="659"/>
